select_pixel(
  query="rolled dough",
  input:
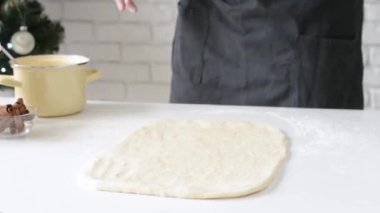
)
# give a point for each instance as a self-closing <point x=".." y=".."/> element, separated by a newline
<point x="193" y="159"/>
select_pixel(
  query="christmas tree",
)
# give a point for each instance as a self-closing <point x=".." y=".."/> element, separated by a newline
<point x="26" y="20"/>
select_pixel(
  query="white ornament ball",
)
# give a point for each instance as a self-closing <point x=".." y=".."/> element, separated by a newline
<point x="23" y="41"/>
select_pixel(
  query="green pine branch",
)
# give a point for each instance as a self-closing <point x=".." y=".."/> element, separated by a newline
<point x="47" y="33"/>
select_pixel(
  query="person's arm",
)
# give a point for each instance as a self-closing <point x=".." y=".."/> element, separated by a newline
<point x="126" y="4"/>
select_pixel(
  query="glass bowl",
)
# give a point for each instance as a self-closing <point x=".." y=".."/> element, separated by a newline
<point x="18" y="125"/>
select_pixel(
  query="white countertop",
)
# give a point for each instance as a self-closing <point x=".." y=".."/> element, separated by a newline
<point x="334" y="163"/>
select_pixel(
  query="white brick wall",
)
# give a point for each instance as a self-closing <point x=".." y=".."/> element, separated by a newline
<point x="133" y="51"/>
<point x="371" y="52"/>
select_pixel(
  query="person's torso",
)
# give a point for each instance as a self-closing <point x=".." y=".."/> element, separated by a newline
<point x="284" y="52"/>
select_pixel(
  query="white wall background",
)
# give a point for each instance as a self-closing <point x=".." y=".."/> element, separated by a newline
<point x="133" y="51"/>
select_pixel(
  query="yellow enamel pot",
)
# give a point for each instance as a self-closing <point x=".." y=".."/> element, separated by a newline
<point x="54" y="84"/>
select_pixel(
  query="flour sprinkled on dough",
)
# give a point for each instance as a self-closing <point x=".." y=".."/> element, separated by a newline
<point x="193" y="159"/>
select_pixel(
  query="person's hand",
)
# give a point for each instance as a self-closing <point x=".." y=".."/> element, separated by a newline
<point x="126" y="4"/>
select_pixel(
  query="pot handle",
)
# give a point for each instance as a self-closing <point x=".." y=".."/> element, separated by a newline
<point x="9" y="80"/>
<point x="92" y="75"/>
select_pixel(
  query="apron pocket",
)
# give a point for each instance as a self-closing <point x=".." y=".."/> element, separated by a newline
<point x="190" y="39"/>
<point x="330" y="71"/>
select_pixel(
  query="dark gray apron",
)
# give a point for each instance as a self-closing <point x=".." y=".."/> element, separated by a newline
<point x="298" y="53"/>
